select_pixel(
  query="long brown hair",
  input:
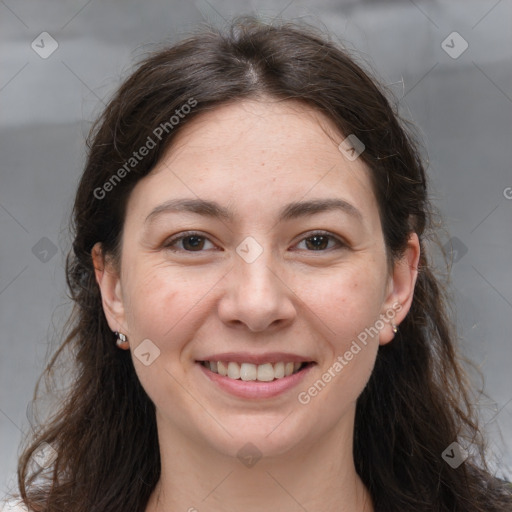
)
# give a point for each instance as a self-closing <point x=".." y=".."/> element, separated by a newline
<point x="417" y="401"/>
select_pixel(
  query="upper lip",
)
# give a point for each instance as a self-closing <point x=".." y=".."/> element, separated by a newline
<point x="268" y="357"/>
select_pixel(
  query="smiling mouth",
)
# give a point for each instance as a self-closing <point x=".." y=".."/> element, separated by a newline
<point x="267" y="372"/>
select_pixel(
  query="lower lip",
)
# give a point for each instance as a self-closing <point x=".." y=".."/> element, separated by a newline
<point x="254" y="388"/>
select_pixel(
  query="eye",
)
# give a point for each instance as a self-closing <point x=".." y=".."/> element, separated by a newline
<point x="191" y="242"/>
<point x="195" y="242"/>
<point x="319" y="241"/>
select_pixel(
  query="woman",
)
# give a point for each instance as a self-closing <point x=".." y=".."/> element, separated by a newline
<point x="257" y="324"/>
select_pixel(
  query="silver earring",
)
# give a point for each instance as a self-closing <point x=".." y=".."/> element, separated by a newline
<point x="121" y="339"/>
<point x="395" y="328"/>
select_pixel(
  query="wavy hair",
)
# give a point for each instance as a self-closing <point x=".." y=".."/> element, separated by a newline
<point x="418" y="399"/>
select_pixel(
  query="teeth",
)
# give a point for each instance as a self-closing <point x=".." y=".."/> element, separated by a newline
<point x="248" y="371"/>
<point x="222" y="369"/>
<point x="279" y="370"/>
<point x="265" y="372"/>
<point x="233" y="370"/>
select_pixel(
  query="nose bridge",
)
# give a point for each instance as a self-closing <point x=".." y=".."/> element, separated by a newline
<point x="257" y="297"/>
<point x="253" y="270"/>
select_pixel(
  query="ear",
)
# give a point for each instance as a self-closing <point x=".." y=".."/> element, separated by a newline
<point x="109" y="282"/>
<point x="400" y="289"/>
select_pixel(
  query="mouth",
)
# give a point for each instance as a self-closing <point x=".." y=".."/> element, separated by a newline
<point x="251" y="380"/>
<point x="266" y="372"/>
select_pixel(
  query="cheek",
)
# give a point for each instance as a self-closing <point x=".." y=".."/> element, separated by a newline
<point x="334" y="393"/>
<point x="346" y="300"/>
<point x="166" y="308"/>
<point x="348" y="303"/>
<point x="165" y="304"/>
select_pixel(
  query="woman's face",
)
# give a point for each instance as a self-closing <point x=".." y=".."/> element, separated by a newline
<point x="256" y="241"/>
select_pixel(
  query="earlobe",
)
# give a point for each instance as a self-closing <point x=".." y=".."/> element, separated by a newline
<point x="110" y="288"/>
<point x="401" y="289"/>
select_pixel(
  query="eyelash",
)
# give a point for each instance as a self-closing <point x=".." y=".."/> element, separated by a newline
<point x="170" y="242"/>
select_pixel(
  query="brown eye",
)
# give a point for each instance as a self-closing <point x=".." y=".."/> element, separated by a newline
<point x="189" y="242"/>
<point x="320" y="242"/>
<point x="193" y="243"/>
<point x="317" y="242"/>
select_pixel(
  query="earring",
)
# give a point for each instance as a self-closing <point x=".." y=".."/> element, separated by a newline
<point x="121" y="341"/>
<point x="395" y="328"/>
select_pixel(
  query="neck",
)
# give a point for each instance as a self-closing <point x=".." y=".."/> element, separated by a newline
<point x="316" y="477"/>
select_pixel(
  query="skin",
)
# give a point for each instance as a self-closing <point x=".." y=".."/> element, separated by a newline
<point x="255" y="157"/>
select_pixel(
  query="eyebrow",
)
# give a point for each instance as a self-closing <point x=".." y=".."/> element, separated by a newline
<point x="291" y="211"/>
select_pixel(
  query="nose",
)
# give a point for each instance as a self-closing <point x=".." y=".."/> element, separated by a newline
<point x="257" y="296"/>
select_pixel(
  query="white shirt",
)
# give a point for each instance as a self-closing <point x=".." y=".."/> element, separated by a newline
<point x="13" y="506"/>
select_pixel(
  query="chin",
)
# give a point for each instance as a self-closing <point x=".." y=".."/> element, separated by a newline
<point x="268" y="436"/>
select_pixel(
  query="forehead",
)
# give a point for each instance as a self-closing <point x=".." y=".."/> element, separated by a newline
<point x="257" y="127"/>
<point x="259" y="155"/>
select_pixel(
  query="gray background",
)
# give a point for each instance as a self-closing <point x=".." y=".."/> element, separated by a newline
<point x="463" y="107"/>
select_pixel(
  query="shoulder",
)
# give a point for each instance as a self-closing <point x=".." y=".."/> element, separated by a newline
<point x="13" y="506"/>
